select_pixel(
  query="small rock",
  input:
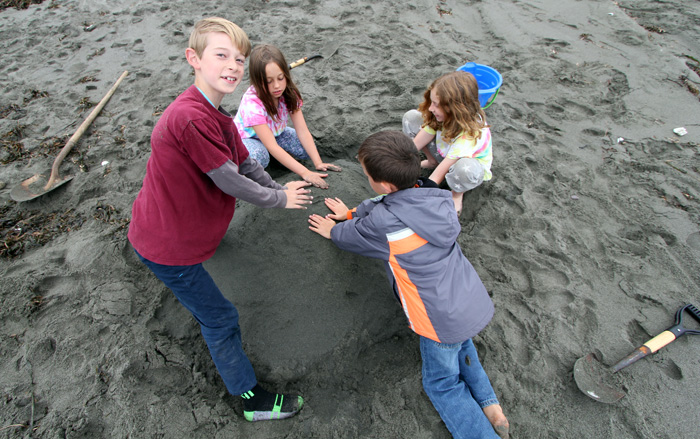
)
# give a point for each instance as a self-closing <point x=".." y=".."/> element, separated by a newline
<point x="680" y="131"/>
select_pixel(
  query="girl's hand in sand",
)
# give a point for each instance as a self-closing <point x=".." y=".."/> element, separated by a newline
<point x="321" y="225"/>
<point x="316" y="179"/>
<point x="328" y="167"/>
<point x="340" y="210"/>
<point x="297" y="196"/>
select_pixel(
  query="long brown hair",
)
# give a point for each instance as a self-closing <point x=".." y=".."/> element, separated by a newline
<point x="260" y="57"/>
<point x="458" y="93"/>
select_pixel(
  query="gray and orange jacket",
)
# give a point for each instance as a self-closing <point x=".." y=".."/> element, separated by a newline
<point x="414" y="231"/>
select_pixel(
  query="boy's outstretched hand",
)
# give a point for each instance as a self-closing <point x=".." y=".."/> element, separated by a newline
<point x="340" y="210"/>
<point x="328" y="167"/>
<point x="297" y="197"/>
<point x="321" y="225"/>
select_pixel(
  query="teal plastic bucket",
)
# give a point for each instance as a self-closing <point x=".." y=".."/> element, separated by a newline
<point x="488" y="79"/>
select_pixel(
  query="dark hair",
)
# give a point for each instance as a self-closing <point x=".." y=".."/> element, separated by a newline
<point x="390" y="157"/>
<point x="260" y="57"/>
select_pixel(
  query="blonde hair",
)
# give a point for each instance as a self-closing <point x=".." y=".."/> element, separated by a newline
<point x="198" y="37"/>
<point x="458" y="93"/>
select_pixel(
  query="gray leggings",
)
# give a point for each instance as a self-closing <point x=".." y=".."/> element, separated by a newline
<point x="464" y="175"/>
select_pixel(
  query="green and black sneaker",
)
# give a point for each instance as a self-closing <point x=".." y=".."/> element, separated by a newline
<point x="261" y="405"/>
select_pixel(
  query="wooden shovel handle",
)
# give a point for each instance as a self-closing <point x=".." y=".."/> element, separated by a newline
<point x="301" y="61"/>
<point x="647" y="348"/>
<point x="79" y="132"/>
<point x="298" y="62"/>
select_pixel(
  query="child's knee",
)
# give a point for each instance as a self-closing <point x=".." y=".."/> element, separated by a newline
<point x="412" y="121"/>
<point x="289" y="141"/>
<point x="465" y="175"/>
<point x="257" y="151"/>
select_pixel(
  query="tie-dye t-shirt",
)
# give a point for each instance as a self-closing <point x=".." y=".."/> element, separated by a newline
<point x="466" y="146"/>
<point x="252" y="112"/>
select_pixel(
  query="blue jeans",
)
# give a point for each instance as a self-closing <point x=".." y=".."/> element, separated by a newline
<point x="458" y="387"/>
<point x="217" y="317"/>
<point x="287" y="140"/>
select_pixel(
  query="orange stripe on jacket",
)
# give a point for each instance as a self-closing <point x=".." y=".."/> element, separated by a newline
<point x="401" y="242"/>
<point x="350" y="212"/>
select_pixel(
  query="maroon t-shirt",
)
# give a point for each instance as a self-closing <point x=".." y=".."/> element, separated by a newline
<point x="180" y="215"/>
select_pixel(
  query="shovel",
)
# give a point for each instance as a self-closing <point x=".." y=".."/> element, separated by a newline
<point x="301" y="61"/>
<point x="598" y="381"/>
<point x="328" y="51"/>
<point x="37" y="185"/>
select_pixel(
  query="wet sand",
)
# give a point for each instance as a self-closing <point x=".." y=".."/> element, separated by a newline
<point x="587" y="237"/>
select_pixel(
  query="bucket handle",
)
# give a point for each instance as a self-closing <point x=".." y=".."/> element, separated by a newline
<point x="493" y="98"/>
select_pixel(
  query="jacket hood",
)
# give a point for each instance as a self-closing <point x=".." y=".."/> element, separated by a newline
<point x="429" y="212"/>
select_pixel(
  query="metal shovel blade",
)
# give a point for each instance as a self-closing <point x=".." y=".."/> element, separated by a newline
<point x="596" y="380"/>
<point x="34" y="187"/>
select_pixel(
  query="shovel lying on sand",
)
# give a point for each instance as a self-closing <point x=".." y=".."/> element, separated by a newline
<point x="37" y="185"/>
<point x="597" y="381"/>
<point x="301" y="61"/>
<point x="328" y="51"/>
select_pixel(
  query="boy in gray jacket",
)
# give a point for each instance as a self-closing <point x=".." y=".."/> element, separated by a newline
<point x="413" y="228"/>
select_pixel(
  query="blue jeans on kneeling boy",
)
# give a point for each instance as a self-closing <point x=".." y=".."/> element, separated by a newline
<point x="458" y="387"/>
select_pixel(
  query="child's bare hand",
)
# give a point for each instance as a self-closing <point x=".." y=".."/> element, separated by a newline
<point x="328" y="167"/>
<point x="297" y="196"/>
<point x="316" y="179"/>
<point x="340" y="210"/>
<point x="296" y="184"/>
<point x="321" y="225"/>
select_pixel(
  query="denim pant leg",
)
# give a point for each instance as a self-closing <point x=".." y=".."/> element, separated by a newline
<point x="474" y="375"/>
<point x="217" y="317"/>
<point x="289" y="141"/>
<point x="450" y="395"/>
<point x="257" y="150"/>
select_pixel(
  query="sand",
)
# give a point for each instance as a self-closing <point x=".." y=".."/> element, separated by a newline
<point x="587" y="237"/>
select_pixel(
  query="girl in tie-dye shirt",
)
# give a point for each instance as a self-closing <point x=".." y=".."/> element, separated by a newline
<point x="262" y="117"/>
<point x="450" y="127"/>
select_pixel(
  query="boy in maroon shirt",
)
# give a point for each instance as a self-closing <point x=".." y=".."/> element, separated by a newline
<point x="197" y="169"/>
